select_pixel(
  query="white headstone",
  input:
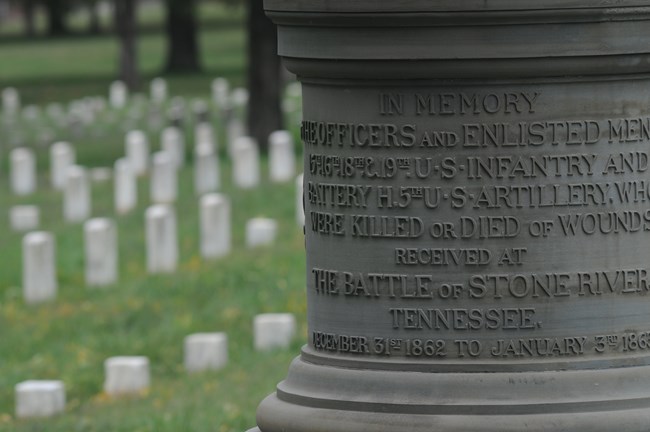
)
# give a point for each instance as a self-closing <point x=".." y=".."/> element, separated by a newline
<point x="137" y="151"/>
<point x="39" y="267"/>
<point x="125" y="186"/>
<point x="173" y="142"/>
<point x="164" y="179"/>
<point x="62" y="157"/>
<point x="239" y="98"/>
<point x="24" y="217"/>
<point x="206" y="169"/>
<point x="37" y="399"/>
<point x="118" y="94"/>
<point x="126" y="375"/>
<point x="215" y="226"/>
<point x="10" y="101"/>
<point x="282" y="159"/>
<point x="260" y="232"/>
<point x="300" y="204"/>
<point x="162" y="240"/>
<point x="273" y="331"/>
<point x="100" y="174"/>
<point x="158" y="90"/>
<point x="205" y="351"/>
<point x="76" y="195"/>
<point x="100" y="236"/>
<point x="204" y="135"/>
<point x="23" y="171"/>
<point x="235" y="129"/>
<point x="246" y="163"/>
<point x="220" y="92"/>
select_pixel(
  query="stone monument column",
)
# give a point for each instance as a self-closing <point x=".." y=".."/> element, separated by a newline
<point x="477" y="202"/>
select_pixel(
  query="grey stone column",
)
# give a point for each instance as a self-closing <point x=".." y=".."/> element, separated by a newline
<point x="477" y="201"/>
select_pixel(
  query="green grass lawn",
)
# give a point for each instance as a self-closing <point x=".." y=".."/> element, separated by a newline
<point x="150" y="315"/>
<point x="59" y="70"/>
<point x="70" y="338"/>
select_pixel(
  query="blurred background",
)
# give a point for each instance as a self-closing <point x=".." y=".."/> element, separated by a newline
<point x="89" y="72"/>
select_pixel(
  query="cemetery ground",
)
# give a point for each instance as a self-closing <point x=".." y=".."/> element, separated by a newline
<point x="70" y="338"/>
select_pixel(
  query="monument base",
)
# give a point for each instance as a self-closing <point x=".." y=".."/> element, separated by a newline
<point x="320" y="398"/>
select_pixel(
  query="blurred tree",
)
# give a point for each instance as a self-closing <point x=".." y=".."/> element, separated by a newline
<point x="182" y="39"/>
<point x="56" y="12"/>
<point x="126" y="28"/>
<point x="264" y="77"/>
<point x="29" y="16"/>
<point x="94" y="23"/>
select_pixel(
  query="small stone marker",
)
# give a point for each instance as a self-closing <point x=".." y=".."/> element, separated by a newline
<point x="164" y="179"/>
<point x="118" y="94"/>
<point x="206" y="169"/>
<point x="76" y="195"/>
<point x="246" y="163"/>
<point x="137" y="151"/>
<point x="215" y="226"/>
<point x="62" y="157"/>
<point x="162" y="240"/>
<point x="39" y="267"/>
<point x="126" y="375"/>
<point x="37" y="399"/>
<point x="300" y="204"/>
<point x="24" y="217"/>
<point x="125" y="186"/>
<point x="235" y="129"/>
<point x="158" y="90"/>
<point x="205" y="351"/>
<point x="100" y="174"/>
<point x="282" y="159"/>
<point x="23" y="171"/>
<point x="173" y="142"/>
<point x="10" y="101"/>
<point x="260" y="232"/>
<point x="204" y="135"/>
<point x="273" y="330"/>
<point x="101" y="252"/>
<point x="220" y="92"/>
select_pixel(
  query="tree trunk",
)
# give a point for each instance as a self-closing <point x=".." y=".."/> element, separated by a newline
<point x="56" y="12"/>
<point x="182" y="39"/>
<point x="264" y="77"/>
<point x="29" y="16"/>
<point x="94" y="26"/>
<point x="125" y="25"/>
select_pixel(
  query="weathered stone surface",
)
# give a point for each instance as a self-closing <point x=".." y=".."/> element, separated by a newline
<point x="164" y="179"/>
<point x="62" y="157"/>
<point x="206" y="169"/>
<point x="23" y="171"/>
<point x="205" y="351"/>
<point x="273" y="330"/>
<point x="215" y="224"/>
<point x="260" y="232"/>
<point x="39" y="267"/>
<point x="246" y="163"/>
<point x="38" y="399"/>
<point x="125" y="187"/>
<point x="282" y="159"/>
<point x="76" y="195"/>
<point x="100" y="238"/>
<point x="173" y="142"/>
<point x="300" y="205"/>
<point x="126" y="375"/>
<point x="137" y="151"/>
<point x="118" y="95"/>
<point x="162" y="239"/>
<point x="24" y="217"/>
<point x="476" y="198"/>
